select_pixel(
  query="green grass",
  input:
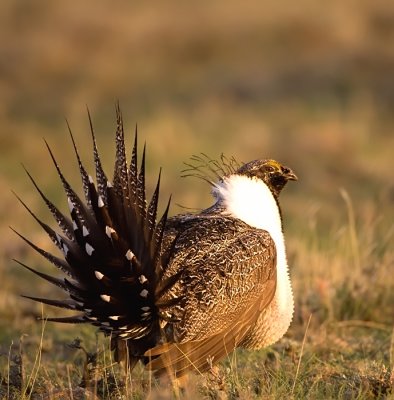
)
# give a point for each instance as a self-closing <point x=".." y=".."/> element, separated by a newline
<point x="309" y="84"/>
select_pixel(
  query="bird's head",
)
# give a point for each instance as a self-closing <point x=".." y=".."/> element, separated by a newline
<point x="271" y="172"/>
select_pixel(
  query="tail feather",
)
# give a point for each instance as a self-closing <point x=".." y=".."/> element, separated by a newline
<point x="133" y="168"/>
<point x="152" y="208"/>
<point x="74" y="202"/>
<point x="56" y="261"/>
<point x="120" y="179"/>
<point x="54" y="236"/>
<point x="51" y="279"/>
<point x="141" y="198"/>
<point x="102" y="181"/>
<point x="111" y="245"/>
<point x="158" y="238"/>
<point x="75" y="319"/>
<point x="67" y="304"/>
<point x="63" y="222"/>
<point x="82" y="170"/>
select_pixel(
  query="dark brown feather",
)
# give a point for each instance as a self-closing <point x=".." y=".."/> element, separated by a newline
<point x="181" y="358"/>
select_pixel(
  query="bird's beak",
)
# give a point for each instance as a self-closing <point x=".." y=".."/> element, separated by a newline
<point x="290" y="175"/>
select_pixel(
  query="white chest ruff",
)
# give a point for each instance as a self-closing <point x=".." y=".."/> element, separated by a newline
<point x="251" y="201"/>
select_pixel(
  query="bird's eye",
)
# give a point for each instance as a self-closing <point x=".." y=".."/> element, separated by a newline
<point x="270" y="169"/>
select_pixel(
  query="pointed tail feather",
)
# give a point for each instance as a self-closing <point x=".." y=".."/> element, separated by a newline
<point x="82" y="170"/>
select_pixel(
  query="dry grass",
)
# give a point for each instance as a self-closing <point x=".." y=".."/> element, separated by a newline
<point x="307" y="83"/>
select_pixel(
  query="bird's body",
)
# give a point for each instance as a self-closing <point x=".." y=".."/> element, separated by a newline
<point x="183" y="292"/>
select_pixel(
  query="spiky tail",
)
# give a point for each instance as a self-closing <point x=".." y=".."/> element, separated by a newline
<point x="112" y="250"/>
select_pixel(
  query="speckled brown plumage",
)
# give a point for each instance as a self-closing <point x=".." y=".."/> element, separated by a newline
<point x="228" y="276"/>
<point x="225" y="265"/>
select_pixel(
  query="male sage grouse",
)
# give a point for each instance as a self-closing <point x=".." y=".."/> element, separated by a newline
<point x="182" y="292"/>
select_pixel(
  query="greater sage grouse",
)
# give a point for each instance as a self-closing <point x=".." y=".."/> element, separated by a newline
<point x="183" y="292"/>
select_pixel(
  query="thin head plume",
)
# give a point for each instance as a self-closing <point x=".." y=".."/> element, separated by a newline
<point x="209" y="169"/>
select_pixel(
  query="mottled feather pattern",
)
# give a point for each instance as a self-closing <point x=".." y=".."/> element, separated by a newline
<point x="101" y="178"/>
<point x="213" y="297"/>
<point x="63" y="221"/>
<point x="82" y="170"/>
<point x="121" y="179"/>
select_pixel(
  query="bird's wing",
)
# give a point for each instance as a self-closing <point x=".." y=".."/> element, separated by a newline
<point x="111" y="246"/>
<point x="228" y="278"/>
<point x="200" y="355"/>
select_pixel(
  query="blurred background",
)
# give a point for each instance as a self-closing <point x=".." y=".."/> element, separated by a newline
<point x="308" y="83"/>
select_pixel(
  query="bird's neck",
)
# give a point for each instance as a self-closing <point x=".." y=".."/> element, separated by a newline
<point x="251" y="200"/>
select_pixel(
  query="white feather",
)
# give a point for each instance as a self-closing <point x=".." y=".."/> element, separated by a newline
<point x="251" y="200"/>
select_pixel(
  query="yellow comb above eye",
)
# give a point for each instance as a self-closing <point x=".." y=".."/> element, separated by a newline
<point x="273" y="164"/>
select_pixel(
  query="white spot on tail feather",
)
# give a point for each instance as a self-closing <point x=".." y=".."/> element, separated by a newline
<point x="100" y="202"/>
<point x="129" y="255"/>
<point x="142" y="279"/>
<point x="58" y="238"/>
<point x="70" y="204"/>
<point x="85" y="231"/>
<point x="89" y="249"/>
<point x="99" y="275"/>
<point x="105" y="298"/>
<point x="109" y="231"/>
<point x="65" y="249"/>
<point x="144" y="293"/>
